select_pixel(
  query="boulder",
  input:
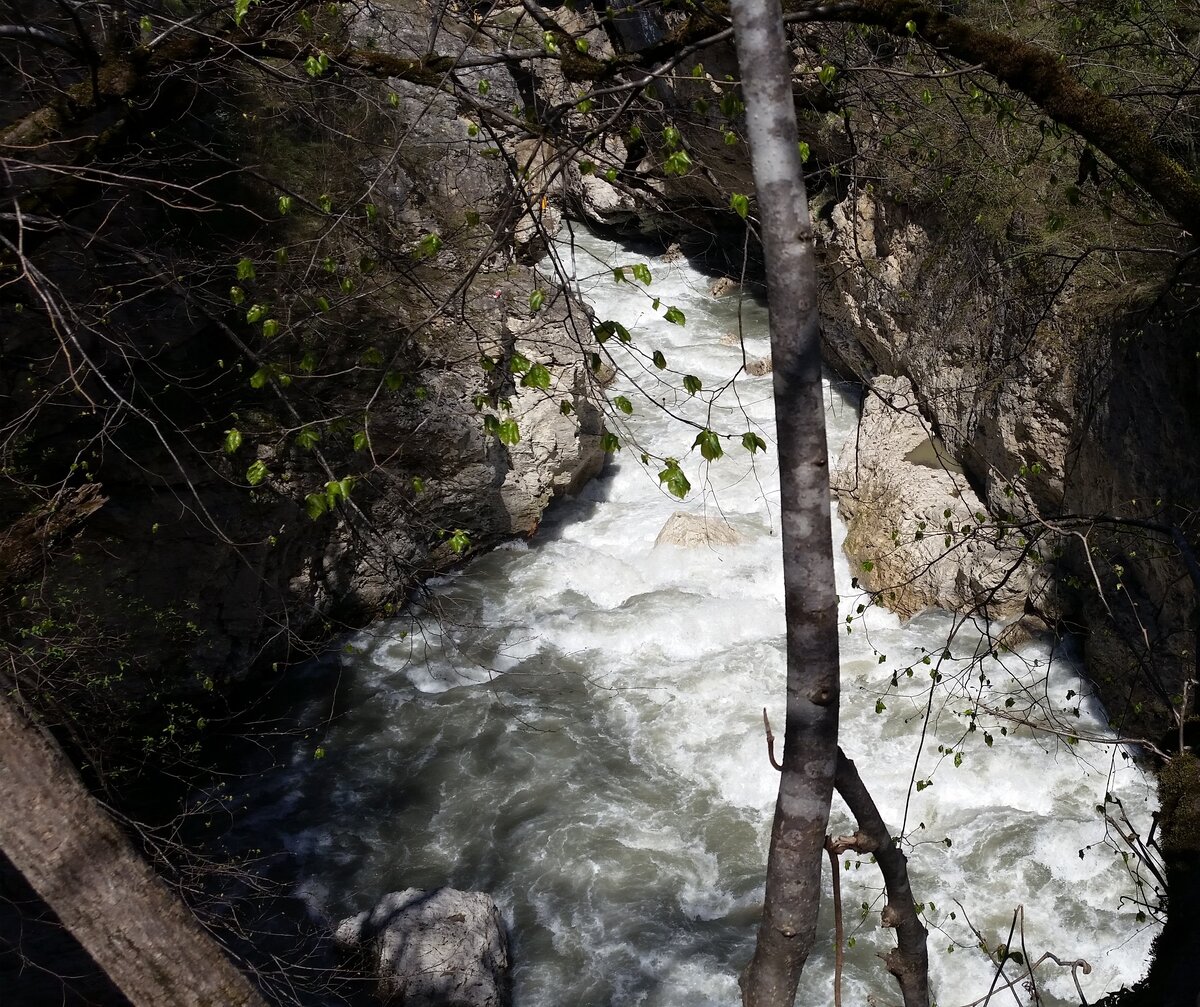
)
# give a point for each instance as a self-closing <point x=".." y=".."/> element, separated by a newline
<point x="691" y="531"/>
<point x="723" y="285"/>
<point x="918" y="536"/>
<point x="440" y="948"/>
<point x="759" y="366"/>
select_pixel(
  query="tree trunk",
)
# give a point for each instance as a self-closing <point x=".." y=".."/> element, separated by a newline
<point x="793" y="892"/>
<point x="79" y="862"/>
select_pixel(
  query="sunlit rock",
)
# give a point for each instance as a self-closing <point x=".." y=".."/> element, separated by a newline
<point x="917" y="533"/>
<point x="692" y="531"/>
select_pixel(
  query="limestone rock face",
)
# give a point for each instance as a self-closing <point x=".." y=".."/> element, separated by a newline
<point x="693" y="531"/>
<point x="918" y="534"/>
<point x="440" y="948"/>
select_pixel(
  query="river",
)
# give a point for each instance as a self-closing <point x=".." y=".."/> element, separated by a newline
<point x="574" y="724"/>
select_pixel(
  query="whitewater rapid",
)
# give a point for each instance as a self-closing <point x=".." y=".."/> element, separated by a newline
<point x="574" y="724"/>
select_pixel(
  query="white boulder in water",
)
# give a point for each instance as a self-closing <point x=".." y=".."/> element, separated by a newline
<point x="440" y="948"/>
<point x="689" y="531"/>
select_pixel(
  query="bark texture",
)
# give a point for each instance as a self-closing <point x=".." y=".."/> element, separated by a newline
<point x="909" y="960"/>
<point x="87" y="871"/>
<point x="810" y="737"/>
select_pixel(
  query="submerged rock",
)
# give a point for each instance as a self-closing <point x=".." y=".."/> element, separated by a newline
<point x="723" y="285"/>
<point x="690" y="531"/>
<point x="440" y="948"/>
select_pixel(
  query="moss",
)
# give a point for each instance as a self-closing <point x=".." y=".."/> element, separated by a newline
<point x="1179" y="791"/>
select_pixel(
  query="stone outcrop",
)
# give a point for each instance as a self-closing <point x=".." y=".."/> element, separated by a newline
<point x="918" y="535"/>
<point x="440" y="948"/>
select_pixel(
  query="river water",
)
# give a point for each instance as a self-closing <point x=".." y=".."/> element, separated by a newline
<point x="574" y="724"/>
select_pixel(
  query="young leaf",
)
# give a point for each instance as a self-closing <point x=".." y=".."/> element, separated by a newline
<point x="285" y="205"/>
<point x="237" y="295"/>
<point x="259" y="378"/>
<point x="537" y="377"/>
<point x="270" y="328"/>
<point x="316" y="505"/>
<point x="691" y="384"/>
<point x="673" y="478"/>
<point x="308" y="438"/>
<point x="256" y="473"/>
<point x="233" y="440"/>
<point x="709" y="444"/>
<point x="740" y="204"/>
<point x="610" y="443"/>
<point x="459" y="542"/>
<point x="622" y="403"/>
<point x="256" y="313"/>
<point x="360" y="441"/>
<point x="519" y="363"/>
<point x="675" y="316"/>
<point x="245" y="269"/>
<point x="537" y="299"/>
<point x="659" y="360"/>
<point x="509" y="433"/>
<point x="641" y="272"/>
<point x="752" y="442"/>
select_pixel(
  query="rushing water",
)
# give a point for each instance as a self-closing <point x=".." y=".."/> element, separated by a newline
<point x="574" y="725"/>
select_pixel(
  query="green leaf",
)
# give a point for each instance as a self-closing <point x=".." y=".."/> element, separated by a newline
<point x="673" y="478"/>
<point x="305" y="20"/>
<point x="519" y="363"/>
<point x="325" y="202"/>
<point x="826" y="74"/>
<point x="910" y="27"/>
<point x="880" y="706"/>
<point x="608" y="328"/>
<point x="308" y="438"/>
<point x="709" y="444"/>
<point x="372" y="211"/>
<point x="394" y="381"/>
<point x="372" y="357"/>
<point x="459" y="542"/>
<point x="237" y="295"/>
<point x="316" y="65"/>
<point x="537" y="377"/>
<point x="323" y="303"/>
<point x="622" y="403"/>
<point x="509" y="433"/>
<point x="584" y="106"/>
<point x="393" y="99"/>
<point x="484" y="86"/>
<point x="472" y="130"/>
<point x="740" y="204"/>
<point x="610" y="175"/>
<point x="536" y="300"/>
<point x="675" y="316"/>
<point x="259" y="378"/>
<point x="240" y="7"/>
<point x="582" y="45"/>
<point x="285" y="205"/>
<point x="691" y="384"/>
<point x="428" y="246"/>
<point x="256" y="473"/>
<point x="565" y="407"/>
<point x="316" y="505"/>
<point x="677" y="163"/>
<point x="805" y="152"/>
<point x="418" y="484"/>
<point x="641" y="272"/>
<point x="610" y="442"/>
<point x="671" y="137"/>
<point x="659" y="360"/>
<point x="233" y="440"/>
<point x="147" y="26"/>
<point x="245" y="269"/>
<point x="618" y="274"/>
<point x="752" y="442"/>
<point x="360" y="441"/>
<point x="256" y="313"/>
<point x="270" y="328"/>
